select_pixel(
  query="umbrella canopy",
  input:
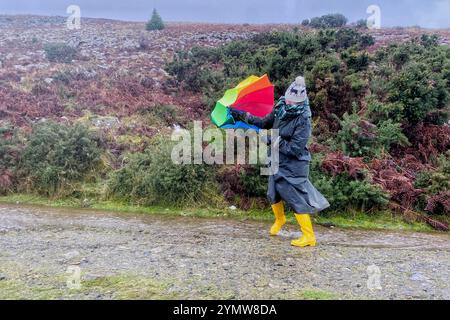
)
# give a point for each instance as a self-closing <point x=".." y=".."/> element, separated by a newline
<point x="254" y="95"/>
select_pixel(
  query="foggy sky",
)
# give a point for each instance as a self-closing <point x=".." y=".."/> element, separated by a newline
<point x="426" y="13"/>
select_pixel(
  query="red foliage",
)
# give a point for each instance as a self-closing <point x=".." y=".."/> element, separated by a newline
<point x="439" y="203"/>
<point x="22" y="107"/>
<point x="123" y="97"/>
<point x="410" y="164"/>
<point x="127" y="96"/>
<point x="6" y="180"/>
<point x="317" y="148"/>
<point x="337" y="163"/>
<point x="427" y="142"/>
<point x="398" y="182"/>
<point x="230" y="182"/>
<point x="234" y="191"/>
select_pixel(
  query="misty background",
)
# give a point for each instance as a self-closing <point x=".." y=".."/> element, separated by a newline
<point x="424" y="13"/>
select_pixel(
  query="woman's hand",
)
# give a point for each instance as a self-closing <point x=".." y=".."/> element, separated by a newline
<point x="238" y="115"/>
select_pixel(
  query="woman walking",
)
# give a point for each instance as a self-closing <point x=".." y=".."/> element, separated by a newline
<point x="291" y="185"/>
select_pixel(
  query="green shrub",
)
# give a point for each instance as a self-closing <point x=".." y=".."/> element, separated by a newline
<point x="389" y="134"/>
<point x="435" y="181"/>
<point x="306" y="22"/>
<point x="152" y="178"/>
<point x="60" y="52"/>
<point x="58" y="155"/>
<point x="344" y="192"/>
<point x="361" y="24"/>
<point x="400" y="58"/>
<point x="253" y="182"/>
<point x="437" y="117"/>
<point x="7" y="150"/>
<point x="174" y="183"/>
<point x="346" y="38"/>
<point x="190" y="69"/>
<point x="155" y="23"/>
<point x="358" y="137"/>
<point x="357" y="83"/>
<point x="336" y="20"/>
<point x="357" y="61"/>
<point x="407" y="83"/>
<point x="282" y="55"/>
<point x="164" y="115"/>
<point x="429" y="40"/>
<point x="436" y="184"/>
<point x="414" y="76"/>
<point x="10" y="152"/>
<point x="379" y="111"/>
<point x="419" y="90"/>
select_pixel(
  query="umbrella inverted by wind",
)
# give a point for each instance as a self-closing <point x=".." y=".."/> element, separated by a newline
<point x="254" y="95"/>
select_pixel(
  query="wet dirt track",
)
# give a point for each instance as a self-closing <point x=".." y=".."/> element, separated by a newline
<point x="220" y="258"/>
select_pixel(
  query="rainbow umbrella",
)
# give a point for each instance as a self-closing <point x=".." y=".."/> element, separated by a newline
<point x="254" y="95"/>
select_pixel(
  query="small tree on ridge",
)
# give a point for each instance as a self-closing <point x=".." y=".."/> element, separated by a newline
<point x="156" y="22"/>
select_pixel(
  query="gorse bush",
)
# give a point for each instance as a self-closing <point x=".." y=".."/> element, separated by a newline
<point x="57" y="156"/>
<point x="406" y="83"/>
<point x="346" y="192"/>
<point x="413" y="78"/>
<point x="10" y="152"/>
<point x="282" y="55"/>
<point x="8" y="147"/>
<point x="329" y="21"/>
<point x="152" y="178"/>
<point x="175" y="183"/>
<point x="361" y="24"/>
<point x="357" y="61"/>
<point x="437" y="180"/>
<point x="358" y="137"/>
<point x="60" y="52"/>
<point x="253" y="182"/>
<point x="190" y="70"/>
<point x="163" y="115"/>
<point x="436" y="183"/>
<point x="343" y="193"/>
<point x="306" y="22"/>
<point x="390" y="133"/>
<point x="418" y="90"/>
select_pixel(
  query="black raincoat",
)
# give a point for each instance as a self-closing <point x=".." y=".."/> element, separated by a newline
<point x="291" y="184"/>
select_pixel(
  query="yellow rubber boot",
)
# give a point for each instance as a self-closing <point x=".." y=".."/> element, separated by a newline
<point x="280" y="218"/>
<point x="308" y="238"/>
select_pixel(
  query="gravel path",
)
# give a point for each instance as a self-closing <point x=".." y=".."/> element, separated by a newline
<point x="203" y="258"/>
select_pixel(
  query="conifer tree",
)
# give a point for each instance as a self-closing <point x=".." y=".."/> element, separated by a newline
<point x="156" y="22"/>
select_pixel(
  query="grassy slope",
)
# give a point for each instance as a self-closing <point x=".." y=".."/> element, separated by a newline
<point x="350" y="219"/>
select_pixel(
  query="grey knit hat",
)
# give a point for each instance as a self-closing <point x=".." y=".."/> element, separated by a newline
<point x="297" y="91"/>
